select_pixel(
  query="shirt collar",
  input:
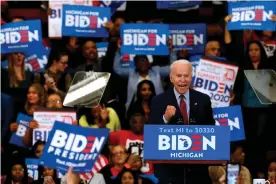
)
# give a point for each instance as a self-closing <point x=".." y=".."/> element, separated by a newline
<point x="186" y="95"/>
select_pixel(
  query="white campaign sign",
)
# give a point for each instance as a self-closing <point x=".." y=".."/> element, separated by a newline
<point x="216" y="79"/>
<point x="55" y="19"/>
<point x="46" y="121"/>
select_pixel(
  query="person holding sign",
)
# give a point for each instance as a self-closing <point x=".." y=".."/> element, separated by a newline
<point x="181" y="105"/>
<point x="17" y="79"/>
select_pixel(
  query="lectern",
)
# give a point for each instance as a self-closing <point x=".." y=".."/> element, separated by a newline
<point x="186" y="144"/>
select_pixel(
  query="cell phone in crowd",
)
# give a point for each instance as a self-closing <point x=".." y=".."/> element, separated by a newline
<point x="48" y="78"/>
<point x="135" y="150"/>
<point x="233" y="171"/>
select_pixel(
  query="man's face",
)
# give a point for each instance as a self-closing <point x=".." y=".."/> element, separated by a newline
<point x="90" y="50"/>
<point x="212" y="49"/>
<point x="181" y="77"/>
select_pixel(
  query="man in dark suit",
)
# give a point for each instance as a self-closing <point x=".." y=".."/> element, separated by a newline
<point x="181" y="105"/>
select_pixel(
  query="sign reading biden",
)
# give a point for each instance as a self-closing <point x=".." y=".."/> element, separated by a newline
<point x="73" y="146"/>
<point x="32" y="166"/>
<point x="216" y="79"/>
<point x="144" y="39"/>
<point x="182" y="142"/>
<point x="102" y="48"/>
<point x="20" y="36"/>
<point x="189" y="36"/>
<point x="23" y="124"/>
<point x="252" y="15"/>
<point x="84" y="21"/>
<point x="230" y="116"/>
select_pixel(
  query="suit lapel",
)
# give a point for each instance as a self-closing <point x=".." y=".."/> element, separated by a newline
<point x="193" y="107"/>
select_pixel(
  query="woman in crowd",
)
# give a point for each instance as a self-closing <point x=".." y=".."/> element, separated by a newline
<point x="17" y="78"/>
<point x="54" y="100"/>
<point x="47" y="176"/>
<point x="38" y="148"/>
<point x="101" y="117"/>
<point x="35" y="99"/>
<point x="145" y="92"/>
<point x="17" y="173"/>
<point x="256" y="115"/>
<point x="55" y="79"/>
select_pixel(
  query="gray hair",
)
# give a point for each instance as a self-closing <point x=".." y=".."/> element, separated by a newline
<point x="181" y="61"/>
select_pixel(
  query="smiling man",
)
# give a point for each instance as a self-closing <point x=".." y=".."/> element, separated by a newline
<point x="181" y="105"/>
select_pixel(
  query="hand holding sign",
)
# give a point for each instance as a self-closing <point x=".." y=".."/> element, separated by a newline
<point x="13" y="127"/>
<point x="71" y="177"/>
<point x="273" y="17"/>
<point x="33" y="124"/>
<point x="227" y="18"/>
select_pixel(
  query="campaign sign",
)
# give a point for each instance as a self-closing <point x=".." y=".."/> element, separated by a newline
<point x="230" y="116"/>
<point x="176" y="4"/>
<point x="216" y="79"/>
<point x="191" y="37"/>
<point x="35" y="59"/>
<point x="255" y="15"/>
<point x="194" y="60"/>
<point x="46" y="119"/>
<point x="113" y="4"/>
<point x="102" y="48"/>
<point x="32" y="166"/>
<point x="127" y="60"/>
<point x="84" y="21"/>
<point x="73" y="146"/>
<point x="182" y="142"/>
<point x="144" y="39"/>
<point x="20" y="36"/>
<point x="23" y="124"/>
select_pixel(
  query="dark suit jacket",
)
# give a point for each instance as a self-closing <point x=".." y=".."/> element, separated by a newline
<point x="200" y="114"/>
<point x="200" y="108"/>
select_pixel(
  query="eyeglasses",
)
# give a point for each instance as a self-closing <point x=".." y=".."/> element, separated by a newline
<point x="117" y="153"/>
<point x="17" y="169"/>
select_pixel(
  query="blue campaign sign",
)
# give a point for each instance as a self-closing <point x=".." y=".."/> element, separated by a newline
<point x="35" y="59"/>
<point x="20" y="36"/>
<point x="113" y="4"/>
<point x="32" y="166"/>
<point x="255" y="15"/>
<point x="73" y="146"/>
<point x="127" y="61"/>
<point x="4" y="64"/>
<point x="177" y="4"/>
<point x="84" y="21"/>
<point x="194" y="60"/>
<point x="230" y="116"/>
<point x="189" y="36"/>
<point x="144" y="39"/>
<point x="102" y="48"/>
<point x="182" y="142"/>
<point x="23" y="124"/>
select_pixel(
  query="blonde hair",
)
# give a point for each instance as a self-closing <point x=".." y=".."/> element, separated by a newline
<point x="42" y="97"/>
<point x="12" y="77"/>
<point x="215" y="173"/>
